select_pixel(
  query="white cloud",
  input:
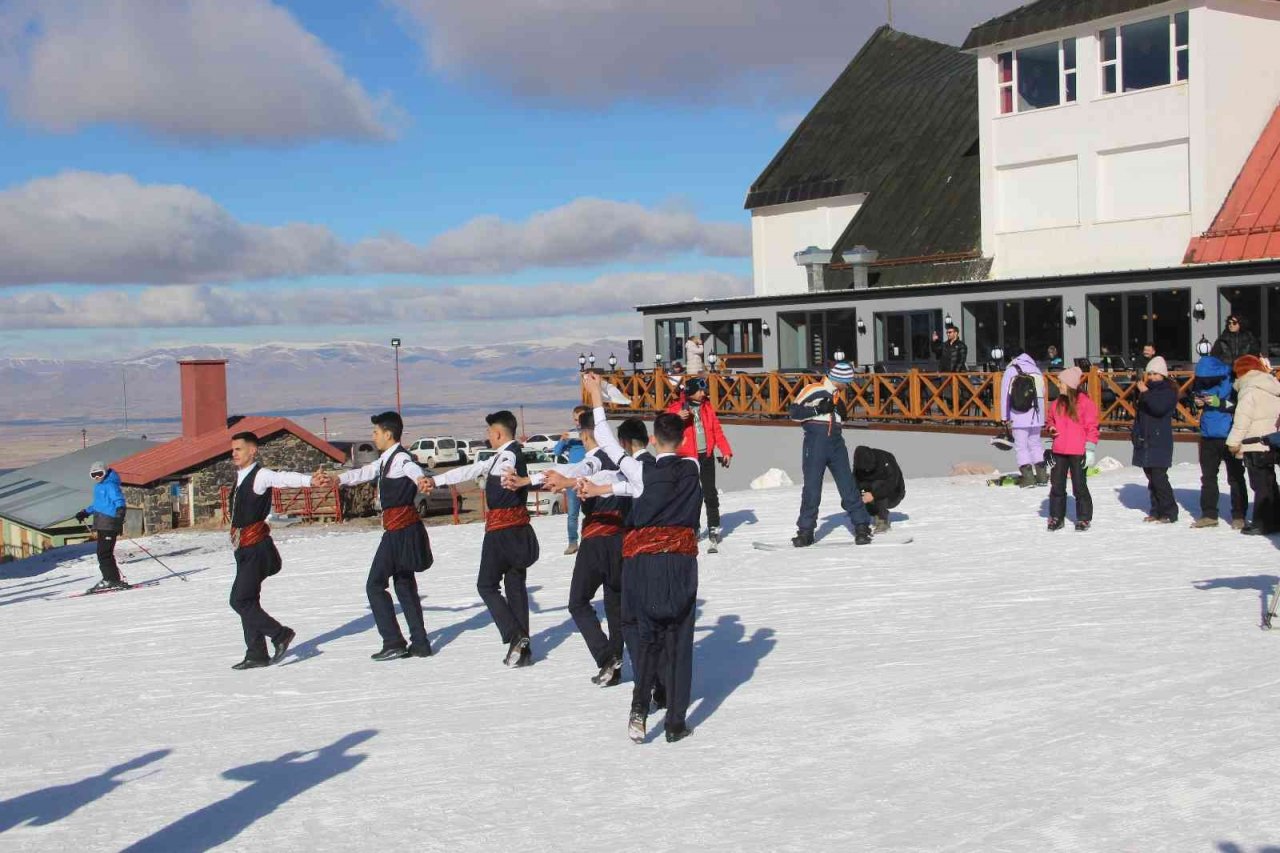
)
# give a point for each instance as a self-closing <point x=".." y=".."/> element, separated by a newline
<point x="191" y="70"/>
<point x="523" y="307"/>
<point x="91" y="228"/>
<point x="603" y="51"/>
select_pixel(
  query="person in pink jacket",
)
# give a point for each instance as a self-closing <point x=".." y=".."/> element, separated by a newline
<point x="1072" y="420"/>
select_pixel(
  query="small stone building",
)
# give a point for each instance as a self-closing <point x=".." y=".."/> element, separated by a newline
<point x="180" y="483"/>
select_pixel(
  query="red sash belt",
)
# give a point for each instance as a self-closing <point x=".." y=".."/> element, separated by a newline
<point x="400" y="517"/>
<point x="243" y="537"/>
<point x="504" y="517"/>
<point x="602" y="524"/>
<point x="660" y="540"/>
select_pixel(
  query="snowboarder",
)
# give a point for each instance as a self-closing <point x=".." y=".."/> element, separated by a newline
<point x="1072" y="420"/>
<point x="881" y="481"/>
<point x="404" y="549"/>
<point x="1257" y="410"/>
<point x="703" y="440"/>
<point x="1213" y="394"/>
<point x="1022" y="410"/>
<point x="255" y="553"/>
<point x="817" y="407"/>
<point x="510" y="545"/>
<point x="660" y="572"/>
<point x="108" y="511"/>
<point x="1152" y="437"/>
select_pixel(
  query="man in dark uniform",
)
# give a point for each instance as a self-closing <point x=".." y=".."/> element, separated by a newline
<point x="404" y="550"/>
<point x="660" y="570"/>
<point x="256" y="556"/>
<point x="881" y="482"/>
<point x="510" y="545"/>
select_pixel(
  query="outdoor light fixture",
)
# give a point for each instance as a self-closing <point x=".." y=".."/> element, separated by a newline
<point x="946" y="321"/>
<point x="838" y="355"/>
<point x="1070" y="316"/>
<point x="582" y="362"/>
<point x="764" y="327"/>
<point x="1203" y="346"/>
<point x="657" y="360"/>
<point x="1197" y="310"/>
<point x="712" y="359"/>
<point x="862" y="326"/>
<point x="591" y="360"/>
<point x="997" y="353"/>
<point x="613" y="361"/>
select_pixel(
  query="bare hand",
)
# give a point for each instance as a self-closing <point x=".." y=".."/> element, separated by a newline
<point x="686" y="415"/>
<point x="426" y="485"/>
<point x="512" y="481"/>
<point x="554" y="481"/>
<point x="321" y="479"/>
<point x="591" y="382"/>
<point x="1142" y="387"/>
<point x="588" y="489"/>
<point x="725" y="460"/>
<point x="868" y="498"/>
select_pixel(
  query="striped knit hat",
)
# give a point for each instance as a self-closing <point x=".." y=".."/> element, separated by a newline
<point x="841" y="371"/>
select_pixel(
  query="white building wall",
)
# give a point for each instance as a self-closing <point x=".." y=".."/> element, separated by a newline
<point x="781" y="230"/>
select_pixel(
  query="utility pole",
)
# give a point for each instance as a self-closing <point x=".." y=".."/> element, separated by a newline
<point x="84" y="438"/>
<point x="889" y="5"/>
<point x="124" y="397"/>
<point x="523" y="435"/>
<point x="395" y="345"/>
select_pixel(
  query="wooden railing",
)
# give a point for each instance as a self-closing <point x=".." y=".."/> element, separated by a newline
<point x="914" y="397"/>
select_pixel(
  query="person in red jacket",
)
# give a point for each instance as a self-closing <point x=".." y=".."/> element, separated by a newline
<point x="703" y="439"/>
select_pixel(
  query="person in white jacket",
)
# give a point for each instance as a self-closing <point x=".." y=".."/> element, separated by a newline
<point x="1257" y="410"/>
<point x="693" y="350"/>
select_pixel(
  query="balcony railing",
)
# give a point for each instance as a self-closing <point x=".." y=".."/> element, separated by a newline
<point x="914" y="397"/>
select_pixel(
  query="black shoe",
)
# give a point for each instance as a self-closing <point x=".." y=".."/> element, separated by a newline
<point x="1255" y="530"/>
<point x="1055" y="524"/>
<point x="525" y="658"/>
<point x="679" y="734"/>
<point x="101" y="586"/>
<point x="862" y="534"/>
<point x="119" y="585"/>
<point x="282" y="644"/>
<point x="390" y="653"/>
<point x="420" y="650"/>
<point x="802" y="539"/>
<point x="636" y="726"/>
<point x="1082" y="527"/>
<point x="251" y="663"/>
<point x="517" y="647"/>
<point x="609" y="674"/>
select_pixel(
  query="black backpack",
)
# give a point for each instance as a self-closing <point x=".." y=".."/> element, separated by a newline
<point x="1022" y="392"/>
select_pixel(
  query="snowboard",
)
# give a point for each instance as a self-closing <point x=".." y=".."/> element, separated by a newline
<point x="1012" y="478"/>
<point x="881" y="539"/>
<point x="132" y="586"/>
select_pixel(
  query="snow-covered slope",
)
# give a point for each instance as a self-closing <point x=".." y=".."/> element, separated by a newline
<point x="992" y="687"/>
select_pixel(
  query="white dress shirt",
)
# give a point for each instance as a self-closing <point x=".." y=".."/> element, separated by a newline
<point x="631" y="482"/>
<point x="502" y="462"/>
<point x="403" y="466"/>
<point x="268" y="479"/>
<point x="589" y="466"/>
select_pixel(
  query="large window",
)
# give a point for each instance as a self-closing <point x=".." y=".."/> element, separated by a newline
<point x="1258" y="308"/>
<point x="1121" y="324"/>
<point x="808" y="340"/>
<point x="671" y="337"/>
<point x="905" y="338"/>
<point x="1031" y="325"/>
<point x="739" y="342"/>
<point x="1037" y="77"/>
<point x="1145" y="54"/>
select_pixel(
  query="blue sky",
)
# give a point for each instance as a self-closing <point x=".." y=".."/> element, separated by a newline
<point x="215" y="172"/>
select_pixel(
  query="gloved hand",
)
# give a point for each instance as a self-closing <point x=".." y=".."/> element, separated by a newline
<point x="825" y="407"/>
<point x="1213" y="401"/>
<point x="1090" y="454"/>
<point x="81" y="516"/>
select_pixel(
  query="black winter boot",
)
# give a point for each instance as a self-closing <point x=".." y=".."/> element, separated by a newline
<point x="1042" y="475"/>
<point x="802" y="539"/>
<point x="862" y="534"/>
<point x="1028" y="478"/>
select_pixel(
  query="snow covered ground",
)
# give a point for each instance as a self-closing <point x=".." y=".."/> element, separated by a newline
<point x="992" y="687"/>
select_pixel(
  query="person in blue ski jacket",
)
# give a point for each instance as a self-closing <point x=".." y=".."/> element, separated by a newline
<point x="108" y="511"/>
<point x="572" y="447"/>
<point x="1214" y="396"/>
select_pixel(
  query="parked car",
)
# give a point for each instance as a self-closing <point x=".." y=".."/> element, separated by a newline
<point x="470" y="449"/>
<point x="538" y="502"/>
<point x="541" y="441"/>
<point x="439" y="500"/>
<point x="432" y="452"/>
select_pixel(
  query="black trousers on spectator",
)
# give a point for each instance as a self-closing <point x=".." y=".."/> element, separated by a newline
<point x="1073" y="465"/>
<point x="107" y="555"/>
<point x="254" y="564"/>
<point x="1163" y="504"/>
<point x="1213" y="453"/>
<point x="659" y="601"/>
<point x="599" y="564"/>
<point x="505" y="557"/>
<point x="1262" y="479"/>
<point x="707" y="472"/>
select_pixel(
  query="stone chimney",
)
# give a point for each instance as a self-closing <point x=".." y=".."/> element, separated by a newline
<point x="814" y="261"/>
<point x="204" y="396"/>
<point x="859" y="258"/>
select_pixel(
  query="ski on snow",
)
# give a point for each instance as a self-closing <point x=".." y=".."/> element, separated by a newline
<point x="132" y="586"/>
<point x="883" y="539"/>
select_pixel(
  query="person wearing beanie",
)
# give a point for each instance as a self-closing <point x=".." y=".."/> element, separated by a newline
<point x="108" y="511"/>
<point x="1072" y="420"/>
<point x="1257" y="410"/>
<point x="1213" y="396"/>
<point x="880" y="478"/>
<point x="1152" y="438"/>
<point x="1022" y="405"/>
<point x="817" y="407"/>
<point x="703" y="440"/>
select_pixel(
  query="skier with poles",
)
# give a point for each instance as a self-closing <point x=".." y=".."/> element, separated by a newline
<point x="108" y="511"/>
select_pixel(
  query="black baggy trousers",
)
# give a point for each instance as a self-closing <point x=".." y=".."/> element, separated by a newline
<point x="659" y="604"/>
<point x="254" y="564"/>
<point x="599" y="564"/>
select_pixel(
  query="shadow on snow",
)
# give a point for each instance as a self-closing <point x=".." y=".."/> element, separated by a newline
<point x="52" y="804"/>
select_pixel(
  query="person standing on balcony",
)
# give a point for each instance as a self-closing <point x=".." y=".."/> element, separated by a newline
<point x="1022" y="406"/>
<point x="703" y="439"/>
<point x="1214" y="395"/>
<point x="817" y="408"/>
<point x="693" y="355"/>
<point x="1257" y="412"/>
<point x="1153" y="439"/>
<point x="952" y="353"/>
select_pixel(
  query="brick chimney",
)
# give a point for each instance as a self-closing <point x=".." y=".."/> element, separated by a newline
<point x="204" y="396"/>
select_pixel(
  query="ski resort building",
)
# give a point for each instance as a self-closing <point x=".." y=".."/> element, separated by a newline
<point x="1091" y="175"/>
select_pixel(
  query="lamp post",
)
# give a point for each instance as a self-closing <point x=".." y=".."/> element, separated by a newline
<point x="613" y="363"/>
<point x="1203" y="346"/>
<point x="657" y="361"/>
<point x="997" y="354"/>
<point x="582" y="363"/>
<point x="712" y="359"/>
<point x="591" y="360"/>
<point x="395" y="345"/>
<point x="838" y="355"/>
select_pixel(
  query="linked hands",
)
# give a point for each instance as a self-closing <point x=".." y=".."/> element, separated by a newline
<point x="321" y="479"/>
<point x="512" y="481"/>
<point x="588" y="489"/>
<point x="591" y="383"/>
<point x="426" y="485"/>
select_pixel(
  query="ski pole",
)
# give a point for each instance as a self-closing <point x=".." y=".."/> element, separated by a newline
<point x="140" y="547"/>
<point x="1271" y="611"/>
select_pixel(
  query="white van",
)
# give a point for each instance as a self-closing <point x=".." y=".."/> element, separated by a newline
<point x="434" y="452"/>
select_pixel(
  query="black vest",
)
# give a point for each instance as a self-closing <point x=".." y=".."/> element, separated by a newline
<point x="395" y="491"/>
<point x="672" y="494"/>
<point x="247" y="506"/>
<point x="612" y="503"/>
<point x="495" y="495"/>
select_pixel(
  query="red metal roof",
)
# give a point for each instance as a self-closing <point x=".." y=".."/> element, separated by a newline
<point x="182" y="454"/>
<point x="1247" y="227"/>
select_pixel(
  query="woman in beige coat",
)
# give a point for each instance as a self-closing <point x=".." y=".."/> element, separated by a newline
<point x="1257" y="410"/>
